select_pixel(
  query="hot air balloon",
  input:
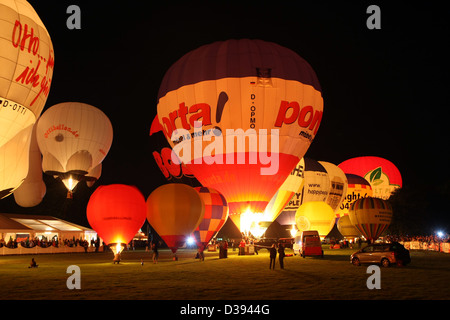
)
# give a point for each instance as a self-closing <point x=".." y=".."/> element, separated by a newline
<point x="216" y="213"/>
<point x="175" y="210"/>
<point x="383" y="176"/>
<point x="338" y="184"/>
<point x="371" y="216"/>
<point x="240" y="114"/>
<point x="357" y="188"/>
<point x="315" y="215"/>
<point x="116" y="212"/>
<point x="74" y="138"/>
<point x="31" y="192"/>
<point x="26" y="71"/>
<point x="346" y="228"/>
<point x="316" y="186"/>
<point x="290" y="186"/>
<point x="171" y="167"/>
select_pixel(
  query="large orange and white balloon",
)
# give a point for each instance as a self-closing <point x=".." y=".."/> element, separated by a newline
<point x="74" y="138"/>
<point x="241" y="114"/>
<point x="26" y="71"/>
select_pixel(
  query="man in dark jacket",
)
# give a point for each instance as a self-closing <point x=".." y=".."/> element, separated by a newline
<point x="281" y="255"/>
<point x="273" y="255"/>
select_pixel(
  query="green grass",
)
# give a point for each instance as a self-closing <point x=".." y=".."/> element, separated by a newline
<point x="237" y="277"/>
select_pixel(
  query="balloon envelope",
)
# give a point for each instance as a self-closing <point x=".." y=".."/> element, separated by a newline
<point x="216" y="213"/>
<point x="338" y="184"/>
<point x="357" y="188"/>
<point x="116" y="212"/>
<point x="74" y="138"/>
<point x="26" y="71"/>
<point x="292" y="184"/>
<point x="315" y="215"/>
<point x="383" y="176"/>
<point x="174" y="210"/>
<point x="240" y="90"/>
<point x="346" y="228"/>
<point x="167" y="161"/>
<point x="32" y="190"/>
<point x="371" y="216"/>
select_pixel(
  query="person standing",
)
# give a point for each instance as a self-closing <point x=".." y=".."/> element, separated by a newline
<point x="281" y="255"/>
<point x="273" y="256"/>
<point x="155" y="252"/>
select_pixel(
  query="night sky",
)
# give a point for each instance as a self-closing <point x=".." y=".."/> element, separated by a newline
<point x="385" y="91"/>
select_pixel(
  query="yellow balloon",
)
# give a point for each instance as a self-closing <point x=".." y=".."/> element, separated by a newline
<point x="315" y="215"/>
<point x="346" y="228"/>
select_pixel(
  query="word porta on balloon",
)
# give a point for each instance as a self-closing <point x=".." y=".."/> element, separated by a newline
<point x="197" y="147"/>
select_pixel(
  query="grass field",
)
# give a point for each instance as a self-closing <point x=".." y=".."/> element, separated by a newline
<point x="235" y="278"/>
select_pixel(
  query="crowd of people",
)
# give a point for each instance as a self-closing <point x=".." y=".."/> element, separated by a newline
<point x="428" y="239"/>
<point x="43" y="242"/>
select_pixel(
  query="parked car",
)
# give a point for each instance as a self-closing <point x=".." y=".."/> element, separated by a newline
<point x="384" y="254"/>
<point x="307" y="243"/>
<point x="266" y="242"/>
<point x="287" y="242"/>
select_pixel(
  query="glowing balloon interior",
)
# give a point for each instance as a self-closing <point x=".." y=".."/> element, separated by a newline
<point x="383" y="176"/>
<point x="116" y="212"/>
<point x="171" y="167"/>
<point x="315" y="215"/>
<point x="371" y="216"/>
<point x="26" y="71"/>
<point x="74" y="138"/>
<point x="240" y="114"/>
<point x="216" y="213"/>
<point x="175" y="210"/>
<point x="357" y="188"/>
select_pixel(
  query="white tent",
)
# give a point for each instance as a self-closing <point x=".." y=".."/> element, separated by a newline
<point x="22" y="226"/>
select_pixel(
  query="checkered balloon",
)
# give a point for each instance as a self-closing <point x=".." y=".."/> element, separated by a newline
<point x="216" y="213"/>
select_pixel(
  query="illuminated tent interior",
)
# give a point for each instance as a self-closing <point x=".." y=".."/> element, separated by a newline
<point x="21" y="227"/>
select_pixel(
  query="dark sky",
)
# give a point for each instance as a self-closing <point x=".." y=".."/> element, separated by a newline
<point x="385" y="91"/>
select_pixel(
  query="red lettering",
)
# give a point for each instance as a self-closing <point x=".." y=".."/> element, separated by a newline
<point x="307" y="116"/>
<point x="30" y="76"/>
<point x="16" y="25"/>
<point x="173" y="167"/>
<point x="160" y="164"/>
<point x="284" y="107"/>
<point x="301" y="118"/>
<point x="187" y="117"/>
<point x="205" y="114"/>
<point x="316" y="121"/>
<point x="33" y="42"/>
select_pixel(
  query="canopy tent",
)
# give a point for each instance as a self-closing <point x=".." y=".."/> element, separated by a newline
<point x="22" y="226"/>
